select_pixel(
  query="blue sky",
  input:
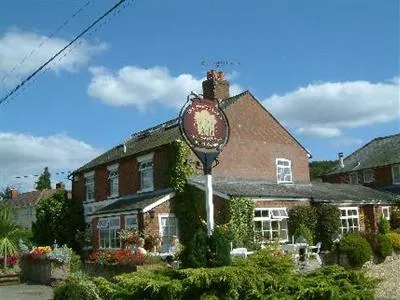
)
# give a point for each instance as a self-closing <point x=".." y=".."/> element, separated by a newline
<point x="328" y="70"/>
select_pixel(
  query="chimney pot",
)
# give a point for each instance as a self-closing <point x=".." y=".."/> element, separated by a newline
<point x="341" y="162"/>
<point x="60" y="185"/>
<point x="13" y="194"/>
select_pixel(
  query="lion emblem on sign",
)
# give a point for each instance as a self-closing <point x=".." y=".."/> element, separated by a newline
<point x="205" y="123"/>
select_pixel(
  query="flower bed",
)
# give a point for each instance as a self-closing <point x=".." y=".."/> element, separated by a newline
<point x="109" y="263"/>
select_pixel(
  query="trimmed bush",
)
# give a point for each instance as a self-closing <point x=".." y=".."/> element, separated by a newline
<point x="381" y="245"/>
<point x="304" y="232"/>
<point x="384" y="226"/>
<point x="328" y="224"/>
<point x="357" y="248"/>
<point x="306" y="215"/>
<point x="395" y="238"/>
<point x="395" y="218"/>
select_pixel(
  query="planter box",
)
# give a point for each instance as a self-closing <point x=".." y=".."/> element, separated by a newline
<point x="35" y="270"/>
<point x="107" y="270"/>
<point x="9" y="279"/>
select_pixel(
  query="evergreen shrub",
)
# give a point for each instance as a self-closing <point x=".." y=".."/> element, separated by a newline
<point x="357" y="248"/>
<point x="395" y="238"/>
<point x="384" y="226"/>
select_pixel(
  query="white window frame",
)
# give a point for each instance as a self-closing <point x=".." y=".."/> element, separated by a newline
<point x="89" y="182"/>
<point x="113" y="181"/>
<point x="104" y="223"/>
<point x="278" y="167"/>
<point x="349" y="228"/>
<point x="388" y="210"/>
<point x="368" y="175"/>
<point x="396" y="180"/>
<point x="279" y="218"/>
<point x="146" y="165"/>
<point x="166" y="239"/>
<point x="129" y="217"/>
<point x="350" y="176"/>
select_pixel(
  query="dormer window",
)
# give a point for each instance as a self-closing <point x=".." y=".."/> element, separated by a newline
<point x="146" y="172"/>
<point x="368" y="175"/>
<point x="89" y="186"/>
<point x="113" y="181"/>
<point x="396" y="174"/>
<point x="284" y="170"/>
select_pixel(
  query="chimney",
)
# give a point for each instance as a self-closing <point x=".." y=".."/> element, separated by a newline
<point x="13" y="194"/>
<point x="341" y="163"/>
<point x="60" y="185"/>
<point x="215" y="87"/>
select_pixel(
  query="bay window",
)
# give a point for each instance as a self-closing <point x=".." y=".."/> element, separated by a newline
<point x="108" y="232"/>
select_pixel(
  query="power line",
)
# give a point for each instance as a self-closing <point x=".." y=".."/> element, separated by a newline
<point x="24" y="59"/>
<point x="61" y="51"/>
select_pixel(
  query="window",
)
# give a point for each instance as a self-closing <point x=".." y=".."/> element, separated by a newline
<point x="131" y="222"/>
<point x="396" y="174"/>
<point x="113" y="184"/>
<point x="168" y="228"/>
<point x="353" y="178"/>
<point x="146" y="172"/>
<point x="284" y="170"/>
<point x="271" y="223"/>
<point x="386" y="212"/>
<point x="89" y="186"/>
<point x="368" y="175"/>
<point x="27" y="212"/>
<point x="108" y="232"/>
<point x="349" y="219"/>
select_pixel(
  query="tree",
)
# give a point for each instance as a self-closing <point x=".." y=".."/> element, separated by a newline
<point x="58" y="218"/>
<point x="5" y="194"/>
<point x="43" y="180"/>
<point x="318" y="168"/>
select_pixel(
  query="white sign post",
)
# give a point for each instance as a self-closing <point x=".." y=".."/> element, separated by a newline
<point x="209" y="204"/>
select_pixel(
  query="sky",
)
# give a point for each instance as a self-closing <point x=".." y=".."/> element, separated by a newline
<point x="327" y="70"/>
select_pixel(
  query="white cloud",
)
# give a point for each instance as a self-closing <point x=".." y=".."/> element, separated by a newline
<point x="24" y="154"/>
<point x="325" y="109"/>
<point x="15" y="45"/>
<point x="140" y="87"/>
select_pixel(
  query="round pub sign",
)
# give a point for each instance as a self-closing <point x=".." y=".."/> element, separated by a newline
<point x="204" y="125"/>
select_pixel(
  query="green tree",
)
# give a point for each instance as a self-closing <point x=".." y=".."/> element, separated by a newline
<point x="318" y="168"/>
<point x="43" y="180"/>
<point x="58" y="218"/>
<point x="5" y="194"/>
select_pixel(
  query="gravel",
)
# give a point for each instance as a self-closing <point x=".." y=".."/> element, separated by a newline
<point x="26" y="292"/>
<point x="389" y="272"/>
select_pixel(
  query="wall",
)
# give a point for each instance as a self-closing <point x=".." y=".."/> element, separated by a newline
<point x="256" y="141"/>
<point x="383" y="177"/>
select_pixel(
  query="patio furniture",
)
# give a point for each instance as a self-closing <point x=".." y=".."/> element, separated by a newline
<point x="241" y="252"/>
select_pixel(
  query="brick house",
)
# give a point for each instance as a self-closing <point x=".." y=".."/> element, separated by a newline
<point x="24" y="204"/>
<point x="127" y="186"/>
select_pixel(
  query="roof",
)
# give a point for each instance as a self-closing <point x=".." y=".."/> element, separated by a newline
<point x="136" y="201"/>
<point x="31" y="198"/>
<point x="380" y="151"/>
<point x="336" y="193"/>
<point x="157" y="136"/>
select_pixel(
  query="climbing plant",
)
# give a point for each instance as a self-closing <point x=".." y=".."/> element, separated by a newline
<point x="241" y="221"/>
<point x="179" y="170"/>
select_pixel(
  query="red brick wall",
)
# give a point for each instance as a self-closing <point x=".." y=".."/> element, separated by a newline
<point x="128" y="176"/>
<point x="78" y="188"/>
<point x="152" y="223"/>
<point x="101" y="183"/>
<point x="256" y="141"/>
<point x="382" y="177"/>
<point x="160" y="169"/>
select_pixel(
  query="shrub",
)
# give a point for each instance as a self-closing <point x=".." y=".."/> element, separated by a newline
<point x="395" y="238"/>
<point x="305" y="215"/>
<point x="357" y="248"/>
<point x="219" y="248"/>
<point x="328" y="224"/>
<point x="384" y="226"/>
<point x="305" y="232"/>
<point x="77" y="288"/>
<point x="395" y="218"/>
<point x="381" y="245"/>
<point x="241" y="213"/>
<point x="194" y="255"/>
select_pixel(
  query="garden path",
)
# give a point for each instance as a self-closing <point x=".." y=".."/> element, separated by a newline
<point x="25" y="292"/>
